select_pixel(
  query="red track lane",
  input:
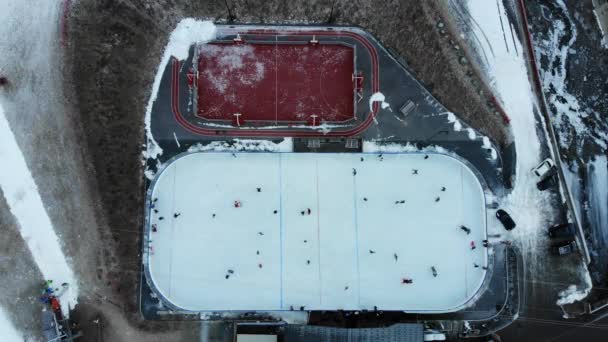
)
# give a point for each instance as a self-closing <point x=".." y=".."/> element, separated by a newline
<point x="278" y="133"/>
<point x="64" y="22"/>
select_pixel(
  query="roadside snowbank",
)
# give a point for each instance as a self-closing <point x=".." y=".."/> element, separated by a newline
<point x="245" y="145"/>
<point x="573" y="293"/>
<point x="189" y="31"/>
<point x="24" y="201"/>
<point x="7" y="330"/>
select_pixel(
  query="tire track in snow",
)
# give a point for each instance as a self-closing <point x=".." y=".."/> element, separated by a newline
<point x="25" y="203"/>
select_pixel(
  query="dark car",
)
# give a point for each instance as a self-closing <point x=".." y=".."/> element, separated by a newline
<point x="564" y="247"/>
<point x="547" y="182"/>
<point x="563" y="230"/>
<point x="505" y="219"/>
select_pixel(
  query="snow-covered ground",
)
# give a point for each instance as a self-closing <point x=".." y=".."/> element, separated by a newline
<point x="29" y="31"/>
<point x="7" y="330"/>
<point x="21" y="193"/>
<point x="571" y="118"/>
<point x="188" y="32"/>
<point x="374" y="219"/>
<point x="510" y="82"/>
<point x="509" y="79"/>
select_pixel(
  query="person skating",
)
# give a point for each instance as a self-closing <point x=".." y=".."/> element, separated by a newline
<point x="396" y="257"/>
<point x="154" y="229"/>
<point x="466" y="229"/>
<point x="407" y="281"/>
<point x="473" y="245"/>
<point x="434" y="271"/>
<point x="371" y="251"/>
<point x="237" y="204"/>
<point x="354" y="172"/>
<point x="3" y="81"/>
<point x="414" y="171"/>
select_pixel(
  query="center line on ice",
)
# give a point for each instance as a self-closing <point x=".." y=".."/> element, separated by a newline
<point x="355" y="212"/>
<point x="281" y="225"/>
<point x="319" y="234"/>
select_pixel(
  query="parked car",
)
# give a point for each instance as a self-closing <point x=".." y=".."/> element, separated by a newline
<point x="505" y="219"/>
<point x="562" y="230"/>
<point x="564" y="247"/>
<point x="544" y="168"/>
<point x="547" y="182"/>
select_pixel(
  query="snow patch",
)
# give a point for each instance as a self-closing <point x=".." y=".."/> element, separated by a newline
<point x="35" y="226"/>
<point x="471" y="133"/>
<point x="189" y="31"/>
<point x="378" y="97"/>
<point x="452" y="119"/>
<point x="486" y="142"/>
<point x="573" y="294"/>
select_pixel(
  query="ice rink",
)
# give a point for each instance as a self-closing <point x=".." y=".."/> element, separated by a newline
<point x="375" y="220"/>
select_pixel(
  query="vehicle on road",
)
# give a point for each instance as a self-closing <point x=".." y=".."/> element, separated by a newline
<point x="505" y="219"/>
<point x="543" y="169"/>
<point x="562" y="230"/>
<point x="564" y="247"/>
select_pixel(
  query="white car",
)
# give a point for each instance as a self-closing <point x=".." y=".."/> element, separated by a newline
<point x="544" y="168"/>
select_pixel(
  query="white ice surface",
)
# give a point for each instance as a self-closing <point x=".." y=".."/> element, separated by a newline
<point x="189" y="31"/>
<point x="23" y="199"/>
<point x="7" y="331"/>
<point x="191" y="254"/>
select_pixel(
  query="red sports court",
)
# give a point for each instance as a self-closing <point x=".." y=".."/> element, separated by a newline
<point x="277" y="82"/>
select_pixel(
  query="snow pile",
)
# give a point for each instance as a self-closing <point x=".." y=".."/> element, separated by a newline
<point x="372" y="146"/>
<point x="188" y="32"/>
<point x="7" y="330"/>
<point x="572" y="294"/>
<point x="21" y="193"/>
<point x="378" y="97"/>
<point x="456" y="122"/>
<point x="245" y="145"/>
